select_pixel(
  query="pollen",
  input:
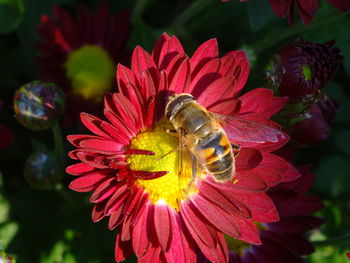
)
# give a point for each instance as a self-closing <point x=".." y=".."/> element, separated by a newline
<point x="165" y="145"/>
<point x="91" y="71"/>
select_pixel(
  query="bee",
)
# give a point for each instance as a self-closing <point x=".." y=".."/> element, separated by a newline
<point x="202" y="133"/>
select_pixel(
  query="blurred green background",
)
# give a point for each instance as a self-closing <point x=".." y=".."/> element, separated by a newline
<point x="55" y="226"/>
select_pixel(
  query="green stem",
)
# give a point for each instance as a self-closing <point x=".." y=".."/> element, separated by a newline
<point x="296" y="29"/>
<point x="194" y="9"/>
<point x="57" y="136"/>
<point x="333" y="241"/>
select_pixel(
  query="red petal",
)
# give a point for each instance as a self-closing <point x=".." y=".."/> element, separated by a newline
<point x="165" y="50"/>
<point x="261" y="101"/>
<point x="116" y="218"/>
<point x="248" y="158"/>
<point x="123" y="249"/>
<point x="77" y="138"/>
<point x="119" y="124"/>
<point x="207" y="75"/>
<point x="280" y="7"/>
<point x="97" y="212"/>
<point x="207" y="51"/>
<point x="220" y="88"/>
<point x="142" y="61"/>
<point x="162" y="225"/>
<point x="180" y="81"/>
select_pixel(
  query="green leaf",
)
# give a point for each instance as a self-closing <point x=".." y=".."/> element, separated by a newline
<point x="333" y="176"/>
<point x="11" y="14"/>
<point x="259" y="13"/>
<point x="7" y="232"/>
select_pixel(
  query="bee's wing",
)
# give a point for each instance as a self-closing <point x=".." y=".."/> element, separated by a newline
<point x="238" y="129"/>
<point x="188" y="167"/>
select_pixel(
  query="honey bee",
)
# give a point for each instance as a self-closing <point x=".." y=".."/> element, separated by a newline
<point x="202" y="134"/>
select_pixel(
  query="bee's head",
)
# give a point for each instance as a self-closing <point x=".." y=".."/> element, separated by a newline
<point x="175" y="103"/>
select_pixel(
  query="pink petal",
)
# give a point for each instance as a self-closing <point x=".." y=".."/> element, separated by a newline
<point x="117" y="199"/>
<point x="93" y="124"/>
<point x="103" y="191"/>
<point x="162" y="225"/>
<point x="216" y="216"/>
<point x="76" y="139"/>
<point x="79" y="169"/>
<point x="118" y="124"/>
<point x="140" y="241"/>
<point x="116" y="218"/>
<point x="226" y="107"/>
<point x="102" y="145"/>
<point x="260" y="205"/>
<point x="223" y="200"/>
<point x="182" y="248"/>
<point x="207" y="51"/>
<point x="88" y="182"/>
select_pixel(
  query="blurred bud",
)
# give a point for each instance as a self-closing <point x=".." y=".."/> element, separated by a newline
<point x="302" y="68"/>
<point x="316" y="126"/>
<point x="6" y="258"/>
<point x="39" y="105"/>
<point x="42" y="170"/>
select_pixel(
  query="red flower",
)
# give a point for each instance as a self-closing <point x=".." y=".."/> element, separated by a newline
<point x="283" y="241"/>
<point x="6" y="135"/>
<point x="129" y="164"/>
<point x="79" y="54"/>
<point x="316" y="127"/>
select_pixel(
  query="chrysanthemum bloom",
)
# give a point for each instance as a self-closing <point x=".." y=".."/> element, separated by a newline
<point x="304" y="67"/>
<point x="283" y="241"/>
<point x="131" y="161"/>
<point x="316" y="127"/>
<point x="79" y="53"/>
<point x="306" y="8"/>
<point x="6" y="136"/>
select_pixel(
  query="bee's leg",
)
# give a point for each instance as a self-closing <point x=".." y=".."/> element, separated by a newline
<point x="171" y="151"/>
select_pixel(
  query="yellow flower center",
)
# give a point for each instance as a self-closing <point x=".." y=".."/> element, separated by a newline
<point x="164" y="144"/>
<point x="91" y="71"/>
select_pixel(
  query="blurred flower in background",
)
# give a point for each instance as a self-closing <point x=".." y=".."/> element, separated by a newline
<point x="4" y="258"/>
<point x="140" y="191"/>
<point x="316" y="125"/>
<point x="6" y="136"/>
<point x="304" y="67"/>
<point x="80" y="54"/>
<point x="285" y="240"/>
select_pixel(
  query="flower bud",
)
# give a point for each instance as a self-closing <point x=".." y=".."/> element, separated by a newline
<point x="39" y="105"/>
<point x="42" y="170"/>
<point x="316" y="127"/>
<point x="302" y="68"/>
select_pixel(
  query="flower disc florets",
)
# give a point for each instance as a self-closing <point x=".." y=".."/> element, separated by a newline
<point x="131" y="163"/>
